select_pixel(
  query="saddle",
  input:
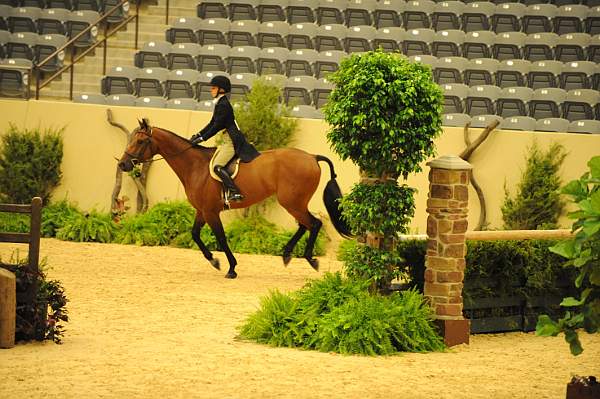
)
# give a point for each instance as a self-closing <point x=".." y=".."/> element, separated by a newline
<point x="232" y="167"/>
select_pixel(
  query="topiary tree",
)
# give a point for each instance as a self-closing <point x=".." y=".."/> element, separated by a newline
<point x="537" y="202"/>
<point x="385" y="113"/>
<point x="30" y="164"/>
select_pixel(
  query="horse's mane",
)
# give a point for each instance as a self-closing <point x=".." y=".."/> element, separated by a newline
<point x="196" y="146"/>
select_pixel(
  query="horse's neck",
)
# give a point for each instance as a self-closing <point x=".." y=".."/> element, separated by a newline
<point x="180" y="157"/>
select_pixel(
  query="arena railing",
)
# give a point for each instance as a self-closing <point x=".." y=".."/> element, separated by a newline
<point x="75" y="58"/>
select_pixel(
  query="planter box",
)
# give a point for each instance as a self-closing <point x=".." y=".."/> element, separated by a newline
<point x="499" y="314"/>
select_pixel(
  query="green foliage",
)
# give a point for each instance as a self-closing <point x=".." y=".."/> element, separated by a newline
<point x="14" y="222"/>
<point x="42" y="319"/>
<point x="264" y="121"/>
<point x="56" y="215"/>
<point x="89" y="227"/>
<point x="384" y="113"/>
<point x="340" y="315"/>
<point x="583" y="254"/>
<point x="537" y="203"/>
<point x="162" y="224"/>
<point x="378" y="266"/>
<point x="29" y="164"/>
<point x="380" y="208"/>
<point x="496" y="268"/>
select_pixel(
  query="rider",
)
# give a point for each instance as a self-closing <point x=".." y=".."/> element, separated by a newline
<point x="234" y="142"/>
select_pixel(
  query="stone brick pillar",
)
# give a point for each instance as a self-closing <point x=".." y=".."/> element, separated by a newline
<point x="447" y="208"/>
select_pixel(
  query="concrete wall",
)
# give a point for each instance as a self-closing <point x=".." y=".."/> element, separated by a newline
<point x="91" y="145"/>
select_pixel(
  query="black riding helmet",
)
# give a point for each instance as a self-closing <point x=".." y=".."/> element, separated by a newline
<point x="222" y="82"/>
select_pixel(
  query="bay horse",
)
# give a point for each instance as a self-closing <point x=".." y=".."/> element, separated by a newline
<point x="292" y="175"/>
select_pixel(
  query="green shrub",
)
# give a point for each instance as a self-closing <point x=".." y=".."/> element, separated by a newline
<point x="162" y="224"/>
<point x="89" y="227"/>
<point x="497" y="268"/>
<point x="340" y="315"/>
<point x="14" y="222"/>
<point x="263" y="119"/>
<point x="368" y="208"/>
<point x="29" y="164"/>
<point x="583" y="254"/>
<point x="537" y="203"/>
<point x="56" y="215"/>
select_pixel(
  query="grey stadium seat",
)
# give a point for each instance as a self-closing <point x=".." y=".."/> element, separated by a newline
<point x="483" y="121"/>
<point x="546" y="102"/>
<point x="14" y="82"/>
<point x="544" y="74"/>
<point x="153" y="54"/>
<point x="23" y="19"/>
<point x="181" y="83"/>
<point x="330" y="37"/>
<point x="507" y="17"/>
<point x="327" y="62"/>
<point x="538" y="18"/>
<point x="481" y="100"/>
<point x="149" y="82"/>
<point x="243" y="9"/>
<point x="121" y="99"/>
<point x="540" y="46"/>
<point x="481" y="71"/>
<point x="182" y="103"/>
<point x="272" y="34"/>
<point x="358" y="12"/>
<point x="416" y="14"/>
<point x="456" y="120"/>
<point x="525" y="123"/>
<point x="212" y="57"/>
<point x="20" y="45"/>
<point x="78" y="22"/>
<point x="151" y="101"/>
<point x="448" y="43"/>
<point x="213" y="31"/>
<point x="513" y="101"/>
<point x="300" y="36"/>
<point x="450" y="70"/>
<point x="509" y="45"/>
<point x="584" y="126"/>
<point x="593" y="50"/>
<point x="203" y="86"/>
<point x="298" y="90"/>
<point x="359" y="39"/>
<point x="454" y="96"/>
<point x="478" y="44"/>
<point x="301" y="11"/>
<point x="52" y="20"/>
<point x="242" y="59"/>
<point x="271" y="10"/>
<point x="388" y="13"/>
<point x="572" y="46"/>
<point x="321" y="92"/>
<point x="241" y="84"/>
<point x="552" y="125"/>
<point x="417" y="41"/>
<point x="119" y="80"/>
<point x="300" y="62"/>
<point x="271" y="60"/>
<point x="212" y="9"/>
<point x="243" y="33"/>
<point x="447" y="15"/>
<point x="183" y="30"/>
<point x="577" y="75"/>
<point x="580" y="104"/>
<point x="570" y="18"/>
<point x="46" y="45"/>
<point x="477" y="16"/>
<point x="183" y="56"/>
<point x="388" y="38"/>
<point x="89" y="98"/>
<point x="330" y="12"/>
<point x="592" y="22"/>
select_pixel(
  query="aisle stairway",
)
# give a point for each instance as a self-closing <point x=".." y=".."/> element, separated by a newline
<point x="121" y="50"/>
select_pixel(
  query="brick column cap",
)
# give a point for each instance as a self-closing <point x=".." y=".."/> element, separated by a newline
<point x="450" y="162"/>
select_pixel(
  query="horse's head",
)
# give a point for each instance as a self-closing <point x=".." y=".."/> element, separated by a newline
<point x="140" y="148"/>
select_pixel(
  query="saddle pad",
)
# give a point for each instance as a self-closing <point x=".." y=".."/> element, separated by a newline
<point x="232" y="167"/>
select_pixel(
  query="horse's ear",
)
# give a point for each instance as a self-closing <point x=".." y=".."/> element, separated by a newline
<point x="141" y="124"/>
<point x="146" y="123"/>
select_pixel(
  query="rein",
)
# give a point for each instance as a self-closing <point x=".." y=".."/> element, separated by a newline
<point x="146" y="143"/>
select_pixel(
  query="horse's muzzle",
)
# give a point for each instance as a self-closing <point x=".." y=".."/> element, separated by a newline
<point x="126" y="165"/>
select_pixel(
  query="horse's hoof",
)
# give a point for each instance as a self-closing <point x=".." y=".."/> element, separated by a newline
<point x="231" y="275"/>
<point x="215" y="263"/>
<point x="286" y="259"/>
<point x="314" y="263"/>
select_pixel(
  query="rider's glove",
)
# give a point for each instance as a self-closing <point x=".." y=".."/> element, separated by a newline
<point x="196" y="138"/>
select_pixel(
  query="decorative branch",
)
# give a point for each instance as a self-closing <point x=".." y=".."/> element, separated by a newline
<point x="466" y="154"/>
<point x="140" y="182"/>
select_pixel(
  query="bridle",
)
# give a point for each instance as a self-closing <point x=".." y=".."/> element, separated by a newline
<point x="135" y="158"/>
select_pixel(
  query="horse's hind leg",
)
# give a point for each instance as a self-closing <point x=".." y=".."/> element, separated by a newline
<point x="289" y="247"/>
<point x="198" y="223"/>
<point x="217" y="228"/>
<point x="310" y="243"/>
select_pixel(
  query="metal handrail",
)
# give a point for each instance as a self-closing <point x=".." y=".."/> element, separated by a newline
<point x="74" y="59"/>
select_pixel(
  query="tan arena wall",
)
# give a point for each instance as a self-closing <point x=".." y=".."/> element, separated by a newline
<point x="91" y="145"/>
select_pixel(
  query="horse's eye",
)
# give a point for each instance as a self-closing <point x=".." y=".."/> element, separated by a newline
<point x="140" y="141"/>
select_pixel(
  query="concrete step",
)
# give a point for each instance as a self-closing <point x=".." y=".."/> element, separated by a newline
<point x="143" y="37"/>
<point x="174" y="11"/>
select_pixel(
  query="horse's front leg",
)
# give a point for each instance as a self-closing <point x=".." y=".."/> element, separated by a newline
<point x="217" y="227"/>
<point x="198" y="223"/>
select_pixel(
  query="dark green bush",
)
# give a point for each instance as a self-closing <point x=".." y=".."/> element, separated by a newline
<point x="340" y="315"/>
<point x="14" y="222"/>
<point x="537" y="203"/>
<point x="29" y="164"/>
<point x="498" y="268"/>
<point x="56" y="215"/>
<point x="373" y="264"/>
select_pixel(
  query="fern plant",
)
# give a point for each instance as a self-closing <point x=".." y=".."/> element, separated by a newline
<point x="91" y="227"/>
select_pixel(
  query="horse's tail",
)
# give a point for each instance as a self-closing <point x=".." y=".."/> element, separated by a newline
<point x="331" y="197"/>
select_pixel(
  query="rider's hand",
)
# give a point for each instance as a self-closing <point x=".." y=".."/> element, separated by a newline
<point x="196" y="138"/>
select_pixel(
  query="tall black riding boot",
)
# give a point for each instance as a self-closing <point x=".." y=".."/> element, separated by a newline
<point x="234" y="192"/>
